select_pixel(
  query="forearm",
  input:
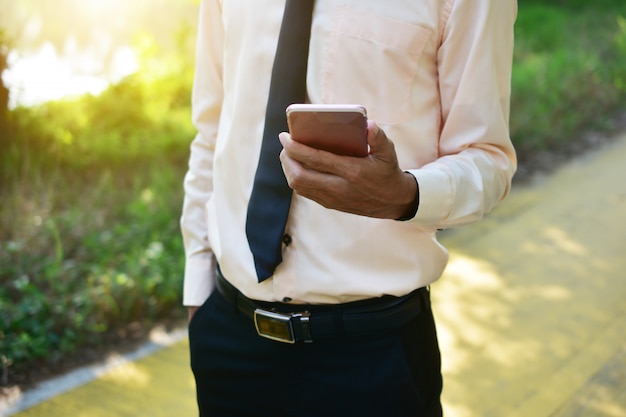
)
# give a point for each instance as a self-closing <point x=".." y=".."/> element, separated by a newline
<point x="207" y="101"/>
<point x="476" y="157"/>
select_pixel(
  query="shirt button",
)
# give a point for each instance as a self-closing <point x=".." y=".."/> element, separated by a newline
<point x="287" y="239"/>
<point x="287" y="300"/>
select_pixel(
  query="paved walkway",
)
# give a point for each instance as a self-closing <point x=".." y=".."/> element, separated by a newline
<point x="531" y="313"/>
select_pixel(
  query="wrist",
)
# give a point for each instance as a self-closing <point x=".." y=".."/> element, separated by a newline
<point x="409" y="208"/>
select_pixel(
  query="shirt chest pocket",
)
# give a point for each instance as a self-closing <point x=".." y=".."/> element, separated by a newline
<point x="372" y="60"/>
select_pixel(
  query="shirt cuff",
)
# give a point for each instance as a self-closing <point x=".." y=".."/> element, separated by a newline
<point x="200" y="275"/>
<point x="436" y="191"/>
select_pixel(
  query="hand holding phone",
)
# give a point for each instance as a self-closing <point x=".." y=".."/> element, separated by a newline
<point x="336" y="128"/>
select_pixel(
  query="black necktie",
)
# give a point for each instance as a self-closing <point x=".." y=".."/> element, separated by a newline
<point x="271" y="196"/>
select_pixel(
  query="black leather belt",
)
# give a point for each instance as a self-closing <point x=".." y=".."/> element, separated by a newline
<point x="291" y="323"/>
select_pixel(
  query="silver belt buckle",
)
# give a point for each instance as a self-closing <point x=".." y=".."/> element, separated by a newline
<point x="277" y="326"/>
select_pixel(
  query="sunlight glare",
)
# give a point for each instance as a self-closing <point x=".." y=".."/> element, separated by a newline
<point x="130" y="374"/>
<point x="124" y="63"/>
<point x="43" y="76"/>
<point x="84" y="59"/>
<point x="101" y="5"/>
<point x="46" y="75"/>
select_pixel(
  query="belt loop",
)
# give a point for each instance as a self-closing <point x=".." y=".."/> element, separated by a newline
<point x="303" y="326"/>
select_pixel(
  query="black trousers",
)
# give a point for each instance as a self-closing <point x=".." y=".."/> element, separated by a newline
<point x="238" y="373"/>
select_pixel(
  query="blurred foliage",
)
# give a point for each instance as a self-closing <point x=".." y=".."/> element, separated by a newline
<point x="573" y="5"/>
<point x="100" y="24"/>
<point x="91" y="187"/>
<point x="4" y="91"/>
<point x="569" y="69"/>
<point x="91" y="194"/>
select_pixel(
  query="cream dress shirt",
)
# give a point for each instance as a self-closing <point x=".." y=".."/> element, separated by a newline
<point x="435" y="76"/>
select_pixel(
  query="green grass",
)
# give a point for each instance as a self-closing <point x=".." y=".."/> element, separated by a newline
<point x="91" y="189"/>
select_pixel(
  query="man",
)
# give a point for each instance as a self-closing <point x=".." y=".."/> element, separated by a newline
<point x="359" y="247"/>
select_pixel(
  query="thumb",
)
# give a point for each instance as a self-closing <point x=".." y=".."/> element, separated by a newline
<point x="376" y="138"/>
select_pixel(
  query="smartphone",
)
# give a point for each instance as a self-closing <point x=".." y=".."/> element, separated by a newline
<point x="336" y="128"/>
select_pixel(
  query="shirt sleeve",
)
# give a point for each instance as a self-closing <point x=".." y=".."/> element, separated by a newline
<point x="476" y="157"/>
<point x="207" y="98"/>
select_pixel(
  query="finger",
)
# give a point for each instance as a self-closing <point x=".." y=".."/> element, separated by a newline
<point x="300" y="176"/>
<point x="293" y="148"/>
<point x="311" y="158"/>
<point x="317" y="186"/>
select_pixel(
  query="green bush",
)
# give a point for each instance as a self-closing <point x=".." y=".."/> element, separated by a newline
<point x="80" y="265"/>
<point x="568" y="72"/>
<point x="89" y="239"/>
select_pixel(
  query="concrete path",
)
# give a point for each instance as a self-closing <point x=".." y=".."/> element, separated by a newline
<point x="532" y="310"/>
<point x="531" y="314"/>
